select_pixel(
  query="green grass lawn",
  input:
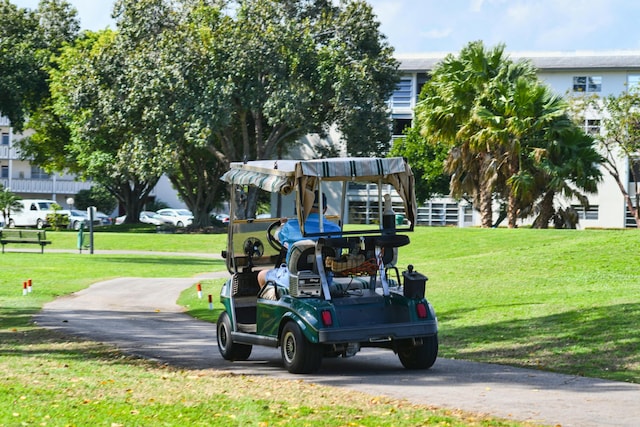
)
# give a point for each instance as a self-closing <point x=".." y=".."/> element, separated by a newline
<point x="560" y="300"/>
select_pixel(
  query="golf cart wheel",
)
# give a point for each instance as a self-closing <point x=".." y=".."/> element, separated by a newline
<point x="298" y="354"/>
<point x="40" y="224"/>
<point x="422" y="356"/>
<point x="228" y="349"/>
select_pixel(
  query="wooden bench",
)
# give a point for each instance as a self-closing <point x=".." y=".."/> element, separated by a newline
<point x="38" y="237"/>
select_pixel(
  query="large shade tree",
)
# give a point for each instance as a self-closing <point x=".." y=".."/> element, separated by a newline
<point x="248" y="84"/>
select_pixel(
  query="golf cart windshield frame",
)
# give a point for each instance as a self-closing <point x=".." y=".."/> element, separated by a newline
<point x="307" y="176"/>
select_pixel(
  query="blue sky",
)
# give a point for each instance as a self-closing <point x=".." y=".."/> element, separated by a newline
<point x="419" y="26"/>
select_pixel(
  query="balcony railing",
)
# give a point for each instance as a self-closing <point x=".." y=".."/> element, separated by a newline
<point x="45" y="186"/>
<point x="7" y="153"/>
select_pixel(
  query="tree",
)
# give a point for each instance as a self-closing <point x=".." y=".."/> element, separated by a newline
<point x="248" y="84"/>
<point x="620" y="141"/>
<point x="28" y="39"/>
<point x="458" y="87"/>
<point x="427" y="163"/>
<point x="9" y="202"/>
<point x="90" y="94"/>
<point x="567" y="164"/>
<point x="501" y="124"/>
<point x="97" y="196"/>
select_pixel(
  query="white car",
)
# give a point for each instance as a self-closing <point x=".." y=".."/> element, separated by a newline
<point x="177" y="217"/>
<point x="149" y="217"/>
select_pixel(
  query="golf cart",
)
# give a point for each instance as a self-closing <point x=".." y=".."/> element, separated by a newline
<point x="344" y="290"/>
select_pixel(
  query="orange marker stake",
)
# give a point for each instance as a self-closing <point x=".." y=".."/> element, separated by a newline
<point x="210" y="303"/>
<point x="199" y="288"/>
<point x="29" y="285"/>
<point x="24" y="288"/>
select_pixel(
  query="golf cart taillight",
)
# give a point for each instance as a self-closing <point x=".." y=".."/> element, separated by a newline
<point x="421" y="309"/>
<point x="326" y="318"/>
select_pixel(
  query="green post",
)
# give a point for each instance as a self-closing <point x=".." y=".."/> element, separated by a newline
<point x="80" y="237"/>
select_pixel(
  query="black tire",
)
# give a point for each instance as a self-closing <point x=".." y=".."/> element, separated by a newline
<point x="39" y="224"/>
<point x="422" y="356"/>
<point x="298" y="354"/>
<point x="11" y="224"/>
<point x="228" y="349"/>
<point x="76" y="225"/>
<point x="179" y="224"/>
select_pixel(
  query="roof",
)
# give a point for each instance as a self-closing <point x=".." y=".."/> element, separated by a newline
<point x="279" y="175"/>
<point x="544" y="61"/>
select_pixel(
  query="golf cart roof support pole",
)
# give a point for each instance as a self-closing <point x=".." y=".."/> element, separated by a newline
<point x="320" y="205"/>
<point x="321" y="272"/>
<point x="383" y="273"/>
<point x="343" y="203"/>
<point x="380" y="203"/>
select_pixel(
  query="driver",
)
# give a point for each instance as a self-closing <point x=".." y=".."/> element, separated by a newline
<point x="290" y="233"/>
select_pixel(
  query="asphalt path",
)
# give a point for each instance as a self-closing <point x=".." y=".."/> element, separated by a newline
<point x="140" y="317"/>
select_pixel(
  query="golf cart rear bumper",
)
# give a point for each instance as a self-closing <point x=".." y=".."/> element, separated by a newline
<point x="378" y="333"/>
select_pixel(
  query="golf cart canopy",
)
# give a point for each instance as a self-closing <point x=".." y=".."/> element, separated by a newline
<point x="284" y="176"/>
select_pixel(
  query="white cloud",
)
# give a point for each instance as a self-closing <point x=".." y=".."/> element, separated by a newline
<point x="437" y="33"/>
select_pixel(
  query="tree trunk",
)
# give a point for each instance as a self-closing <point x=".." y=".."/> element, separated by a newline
<point x="546" y="211"/>
<point x="485" y="208"/>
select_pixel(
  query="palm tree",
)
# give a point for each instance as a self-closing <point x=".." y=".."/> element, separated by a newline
<point x="9" y="202"/>
<point x="513" y="122"/>
<point x="445" y="115"/>
<point x="568" y="164"/>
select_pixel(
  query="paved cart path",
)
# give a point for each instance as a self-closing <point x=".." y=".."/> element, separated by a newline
<point x="140" y="317"/>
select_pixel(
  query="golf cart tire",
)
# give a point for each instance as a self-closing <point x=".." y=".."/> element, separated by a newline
<point x="298" y="354"/>
<point x="228" y="349"/>
<point x="422" y="356"/>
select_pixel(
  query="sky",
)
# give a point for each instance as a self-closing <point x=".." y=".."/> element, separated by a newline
<point x="424" y="26"/>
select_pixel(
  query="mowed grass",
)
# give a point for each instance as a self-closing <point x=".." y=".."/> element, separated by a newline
<point x="52" y="380"/>
<point x="559" y="300"/>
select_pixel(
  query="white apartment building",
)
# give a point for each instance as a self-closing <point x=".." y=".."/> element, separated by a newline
<point x="601" y="73"/>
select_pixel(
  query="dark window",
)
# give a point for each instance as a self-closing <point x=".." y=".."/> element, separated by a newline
<point x="4" y="171"/>
<point x="5" y="138"/>
<point x="399" y="125"/>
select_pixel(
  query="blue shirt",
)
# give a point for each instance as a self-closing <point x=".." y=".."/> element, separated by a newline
<point x="290" y="232"/>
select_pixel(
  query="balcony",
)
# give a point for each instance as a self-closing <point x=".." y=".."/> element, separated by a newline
<point x="9" y="153"/>
<point x="45" y="186"/>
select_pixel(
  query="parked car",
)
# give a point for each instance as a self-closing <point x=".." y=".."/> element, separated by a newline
<point x="149" y="217"/>
<point x="177" y="217"/>
<point x="146" y="217"/>
<point x="104" y="218"/>
<point x="78" y="218"/>
<point x="223" y="218"/>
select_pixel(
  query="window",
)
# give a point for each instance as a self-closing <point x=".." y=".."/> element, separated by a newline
<point x="587" y="83"/>
<point x="38" y="173"/>
<point x="4" y="171"/>
<point x="5" y="138"/>
<point x="592" y="127"/>
<point x="401" y="97"/>
<point x="589" y="213"/>
<point x="399" y="125"/>
<point x="633" y="82"/>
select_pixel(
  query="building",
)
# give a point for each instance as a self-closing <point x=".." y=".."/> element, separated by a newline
<point x="601" y="73"/>
<point x="28" y="180"/>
